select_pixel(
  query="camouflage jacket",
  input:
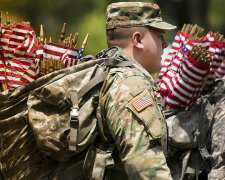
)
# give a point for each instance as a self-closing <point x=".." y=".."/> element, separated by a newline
<point x="216" y="135"/>
<point x="132" y="118"/>
<point x="207" y="117"/>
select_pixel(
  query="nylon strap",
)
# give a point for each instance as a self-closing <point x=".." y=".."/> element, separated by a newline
<point x="74" y="122"/>
<point x="102" y="160"/>
<point x="117" y="63"/>
<point x="84" y="131"/>
<point x="92" y="83"/>
<point x="185" y="163"/>
<point x="202" y="137"/>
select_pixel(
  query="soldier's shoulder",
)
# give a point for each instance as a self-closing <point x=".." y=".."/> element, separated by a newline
<point x="126" y="72"/>
<point x="128" y="80"/>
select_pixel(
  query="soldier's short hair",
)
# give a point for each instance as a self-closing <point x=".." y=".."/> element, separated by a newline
<point x="120" y="37"/>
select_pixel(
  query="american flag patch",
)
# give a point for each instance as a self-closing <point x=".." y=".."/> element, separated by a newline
<point x="141" y="102"/>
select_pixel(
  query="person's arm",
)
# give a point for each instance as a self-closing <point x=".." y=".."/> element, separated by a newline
<point x="137" y="134"/>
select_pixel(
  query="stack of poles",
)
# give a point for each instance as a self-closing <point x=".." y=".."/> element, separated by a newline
<point x="43" y="65"/>
<point x="50" y="63"/>
<point x="185" y="70"/>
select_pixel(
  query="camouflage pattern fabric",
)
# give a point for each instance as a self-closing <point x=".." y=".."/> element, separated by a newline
<point x="217" y="152"/>
<point x="21" y="157"/>
<point x="183" y="136"/>
<point x="137" y="134"/>
<point x="131" y="14"/>
<point x="215" y="135"/>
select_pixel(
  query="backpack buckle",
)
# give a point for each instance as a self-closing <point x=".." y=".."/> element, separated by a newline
<point x="113" y="52"/>
<point x="74" y="113"/>
<point x="74" y="124"/>
<point x="204" y="153"/>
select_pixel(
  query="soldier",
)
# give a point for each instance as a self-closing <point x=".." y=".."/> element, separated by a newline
<point x="127" y="107"/>
<point x="208" y="120"/>
<point x="130" y="117"/>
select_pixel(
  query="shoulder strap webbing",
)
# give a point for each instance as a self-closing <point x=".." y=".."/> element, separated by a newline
<point x="75" y="96"/>
<point x="92" y="83"/>
<point x="201" y="137"/>
<point x="112" y="62"/>
<point x="185" y="163"/>
<point x="74" y="122"/>
<point x="74" y="113"/>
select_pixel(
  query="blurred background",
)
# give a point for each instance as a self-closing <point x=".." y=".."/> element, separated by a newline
<point x="88" y="16"/>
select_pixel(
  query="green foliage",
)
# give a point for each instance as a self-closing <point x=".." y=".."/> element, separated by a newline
<point x="87" y="16"/>
<point x="216" y="13"/>
<point x="96" y="29"/>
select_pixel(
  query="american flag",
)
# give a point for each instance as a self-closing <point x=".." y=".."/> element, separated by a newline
<point x="182" y="81"/>
<point x="179" y="41"/>
<point x="21" y="43"/>
<point x="80" y="52"/>
<point x="220" y="71"/>
<point x="2" y="71"/>
<point x="173" y="67"/>
<point x="186" y="85"/>
<point x="56" y="51"/>
<point x="141" y="102"/>
<point x="216" y="49"/>
<point x="33" y="71"/>
<point x="4" y="40"/>
<point x="31" y="74"/>
<point x="69" y="57"/>
<point x="18" y="46"/>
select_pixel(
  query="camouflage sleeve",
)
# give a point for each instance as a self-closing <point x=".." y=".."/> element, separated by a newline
<point x="134" y="128"/>
<point x="217" y="143"/>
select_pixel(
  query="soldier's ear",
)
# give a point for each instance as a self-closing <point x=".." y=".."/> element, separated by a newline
<point x="137" y="40"/>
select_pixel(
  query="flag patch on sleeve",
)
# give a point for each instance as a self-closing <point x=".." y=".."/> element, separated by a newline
<point x="141" y="102"/>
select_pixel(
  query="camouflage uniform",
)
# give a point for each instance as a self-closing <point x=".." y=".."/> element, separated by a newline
<point x="214" y="123"/>
<point x="138" y="131"/>
<point x="217" y="133"/>
<point x="137" y="134"/>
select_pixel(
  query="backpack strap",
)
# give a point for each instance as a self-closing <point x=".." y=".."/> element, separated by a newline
<point x="185" y="163"/>
<point x="117" y="63"/>
<point x="76" y="95"/>
<point x="97" y="161"/>
<point x="92" y="83"/>
<point x="74" y="113"/>
<point x="200" y="138"/>
<point x="201" y="134"/>
<point x="74" y="122"/>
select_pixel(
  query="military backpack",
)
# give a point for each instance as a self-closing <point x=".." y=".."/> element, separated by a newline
<point x="53" y="118"/>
